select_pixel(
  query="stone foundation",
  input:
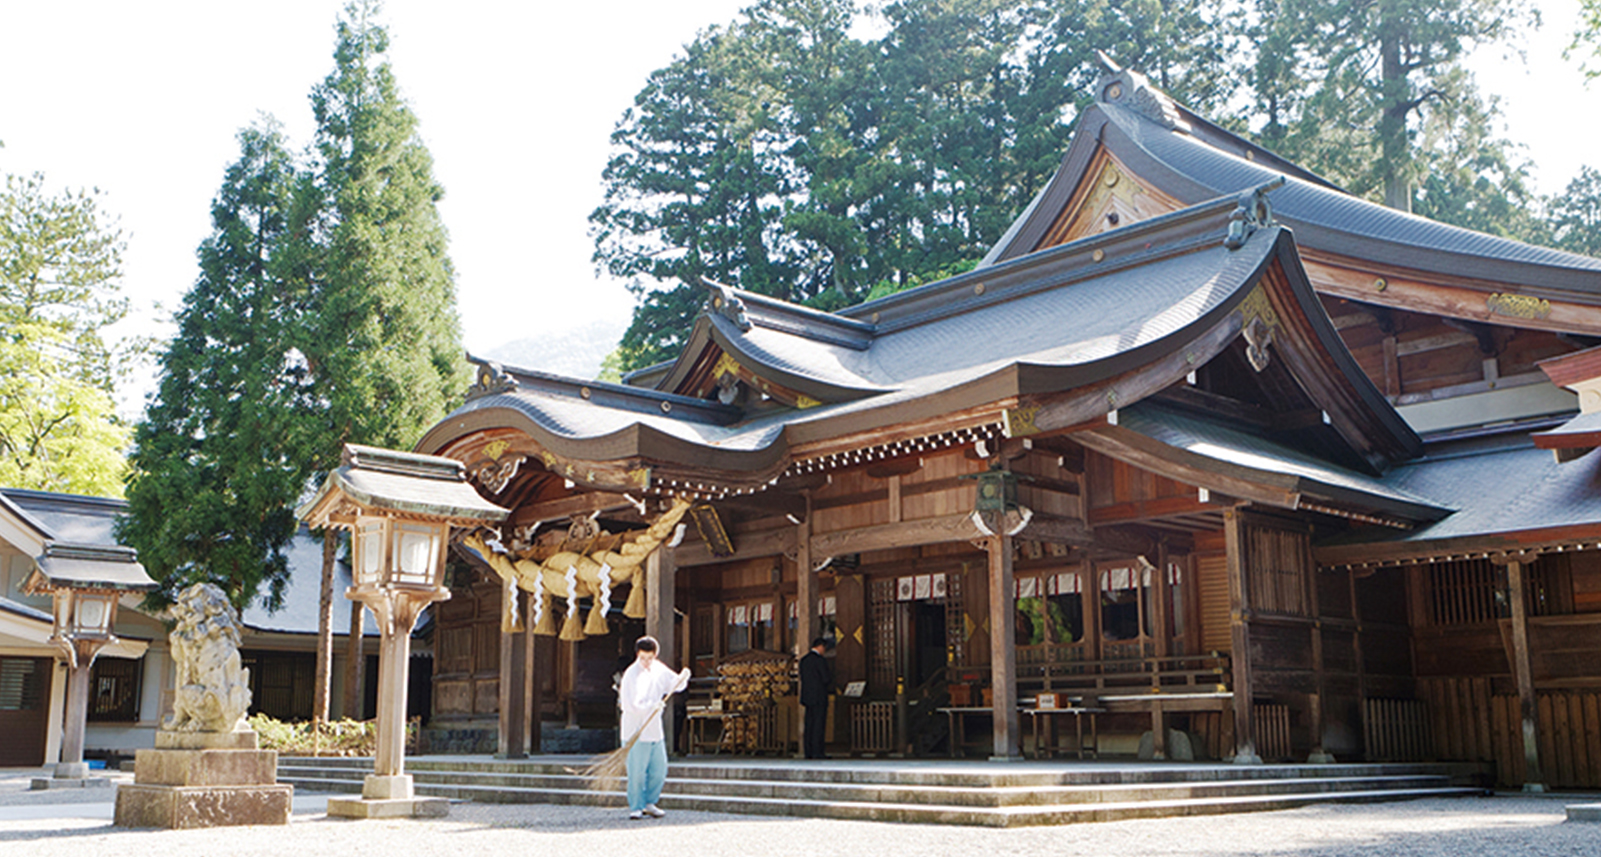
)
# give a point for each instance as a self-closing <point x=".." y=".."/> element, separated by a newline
<point x="204" y="779"/>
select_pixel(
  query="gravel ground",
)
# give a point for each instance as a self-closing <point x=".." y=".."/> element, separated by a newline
<point x="1505" y="825"/>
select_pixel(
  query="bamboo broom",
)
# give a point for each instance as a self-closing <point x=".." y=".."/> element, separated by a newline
<point x="605" y="774"/>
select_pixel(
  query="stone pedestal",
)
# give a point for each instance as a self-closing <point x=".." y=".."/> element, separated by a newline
<point x="388" y="797"/>
<point x="204" y="779"/>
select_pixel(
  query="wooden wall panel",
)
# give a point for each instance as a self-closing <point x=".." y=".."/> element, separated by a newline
<point x="1585" y="567"/>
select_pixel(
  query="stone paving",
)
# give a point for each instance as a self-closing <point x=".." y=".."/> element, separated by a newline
<point x="78" y="823"/>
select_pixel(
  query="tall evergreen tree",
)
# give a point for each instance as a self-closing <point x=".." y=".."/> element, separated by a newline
<point x="223" y="452"/>
<point x="1352" y="88"/>
<point x="381" y="338"/>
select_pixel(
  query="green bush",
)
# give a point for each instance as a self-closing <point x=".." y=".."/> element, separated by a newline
<point x="335" y="738"/>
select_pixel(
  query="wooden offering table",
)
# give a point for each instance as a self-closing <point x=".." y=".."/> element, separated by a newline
<point x="1048" y="749"/>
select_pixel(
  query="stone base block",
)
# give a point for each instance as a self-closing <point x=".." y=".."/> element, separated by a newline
<point x="417" y="807"/>
<point x="43" y="783"/>
<point x="186" y="807"/>
<point x="242" y="739"/>
<point x="396" y="787"/>
<point x="206" y="767"/>
<point x="1587" y="812"/>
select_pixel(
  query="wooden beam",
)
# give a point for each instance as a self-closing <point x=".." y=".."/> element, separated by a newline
<point x="923" y="531"/>
<point x="1534" y="776"/>
<point x="565" y="507"/>
<point x="1220" y="477"/>
<point x="1056" y="529"/>
<point x="747" y="545"/>
<point x="1145" y="510"/>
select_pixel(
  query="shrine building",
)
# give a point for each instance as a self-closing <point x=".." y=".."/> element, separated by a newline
<point x="1231" y="462"/>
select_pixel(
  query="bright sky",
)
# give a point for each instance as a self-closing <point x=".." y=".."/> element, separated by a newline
<point x="516" y="100"/>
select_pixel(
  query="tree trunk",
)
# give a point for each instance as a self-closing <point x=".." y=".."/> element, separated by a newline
<point x="325" y="627"/>
<point x="1394" y="150"/>
<point x="355" y="665"/>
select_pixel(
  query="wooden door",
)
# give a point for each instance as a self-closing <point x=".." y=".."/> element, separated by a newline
<point x="24" y="710"/>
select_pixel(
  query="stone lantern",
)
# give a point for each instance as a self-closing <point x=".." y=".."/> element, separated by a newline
<point x="399" y="508"/>
<point x="85" y="582"/>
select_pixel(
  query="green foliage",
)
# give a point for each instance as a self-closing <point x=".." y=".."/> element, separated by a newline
<point x="1374" y="96"/>
<point x="226" y="446"/>
<point x="382" y="340"/>
<point x="60" y="266"/>
<point x="1576" y="214"/>
<point x="324" y="314"/>
<point x="311" y="738"/>
<point x="786" y="156"/>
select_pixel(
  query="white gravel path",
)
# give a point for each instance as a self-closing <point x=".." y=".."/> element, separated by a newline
<point x="1474" y="827"/>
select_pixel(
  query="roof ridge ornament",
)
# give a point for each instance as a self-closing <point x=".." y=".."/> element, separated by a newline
<point x="726" y="303"/>
<point x="1128" y="88"/>
<point x="490" y="378"/>
<point x="1253" y="212"/>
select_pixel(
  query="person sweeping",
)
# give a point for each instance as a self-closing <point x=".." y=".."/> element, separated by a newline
<point x="644" y="690"/>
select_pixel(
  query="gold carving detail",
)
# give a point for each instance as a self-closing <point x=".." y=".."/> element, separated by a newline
<point x="1256" y="305"/>
<point x="1518" y="306"/>
<point x="496" y="448"/>
<point x="1020" y="420"/>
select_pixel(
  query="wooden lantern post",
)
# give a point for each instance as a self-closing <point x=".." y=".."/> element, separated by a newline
<point x="85" y="582"/>
<point x="399" y="508"/>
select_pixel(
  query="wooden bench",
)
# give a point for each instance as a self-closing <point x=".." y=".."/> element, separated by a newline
<point x="1047" y="749"/>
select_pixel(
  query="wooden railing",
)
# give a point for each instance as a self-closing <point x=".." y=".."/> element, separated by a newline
<point x="1165" y="674"/>
<point x="872" y="727"/>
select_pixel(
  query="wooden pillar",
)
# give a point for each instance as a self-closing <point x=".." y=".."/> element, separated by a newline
<point x="1003" y="647"/>
<point x="660" y="596"/>
<point x="1534" y="778"/>
<point x="1361" y="667"/>
<point x="805" y="603"/>
<point x="533" y="698"/>
<point x="355" y="664"/>
<point x="511" y="742"/>
<point x="1240" y="643"/>
<point x="1318" y="756"/>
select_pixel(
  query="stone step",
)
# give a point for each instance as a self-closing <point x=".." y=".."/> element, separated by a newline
<point x="923" y="813"/>
<point x="957" y="774"/>
<point x="916" y="794"/>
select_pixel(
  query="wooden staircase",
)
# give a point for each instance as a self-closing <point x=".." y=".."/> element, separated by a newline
<point x="984" y="794"/>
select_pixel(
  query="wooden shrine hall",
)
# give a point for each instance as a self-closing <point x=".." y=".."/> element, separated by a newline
<point x="1229" y="462"/>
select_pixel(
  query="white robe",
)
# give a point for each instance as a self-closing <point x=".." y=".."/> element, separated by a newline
<point x="640" y="692"/>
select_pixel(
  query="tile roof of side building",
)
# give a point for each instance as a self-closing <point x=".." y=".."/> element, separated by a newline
<point x="1194" y="159"/>
<point x="80" y="519"/>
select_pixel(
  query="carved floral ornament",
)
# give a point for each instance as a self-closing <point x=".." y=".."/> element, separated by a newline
<point x="1518" y="306"/>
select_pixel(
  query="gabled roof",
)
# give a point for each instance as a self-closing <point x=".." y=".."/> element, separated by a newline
<point x="1071" y="317"/>
<point x="1191" y="160"/>
<point x="67" y="517"/>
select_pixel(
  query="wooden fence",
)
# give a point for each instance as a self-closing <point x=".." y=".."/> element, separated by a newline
<point x="1471" y="724"/>
<point x="873" y="727"/>
<point x="1272" y="732"/>
<point x="1397" y="730"/>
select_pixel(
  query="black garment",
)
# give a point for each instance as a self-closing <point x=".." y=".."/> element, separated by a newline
<point x="816" y="678"/>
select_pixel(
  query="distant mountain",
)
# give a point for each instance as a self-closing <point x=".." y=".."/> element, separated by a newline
<point x="575" y="353"/>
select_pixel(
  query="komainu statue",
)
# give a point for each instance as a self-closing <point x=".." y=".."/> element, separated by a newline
<point x="585" y="563"/>
<point x="212" y="690"/>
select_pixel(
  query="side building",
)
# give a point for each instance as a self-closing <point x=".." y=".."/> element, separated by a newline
<point x="132" y="681"/>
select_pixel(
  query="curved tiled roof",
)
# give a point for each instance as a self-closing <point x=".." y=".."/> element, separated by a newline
<point x="1050" y="321"/>
<point x="1195" y="162"/>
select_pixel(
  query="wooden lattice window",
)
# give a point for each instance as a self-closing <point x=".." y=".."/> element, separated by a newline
<point x="1462" y="592"/>
<point x="1278" y="562"/>
<point x="114" y="689"/>
<point x="955" y="620"/>
<point x="881" y="656"/>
